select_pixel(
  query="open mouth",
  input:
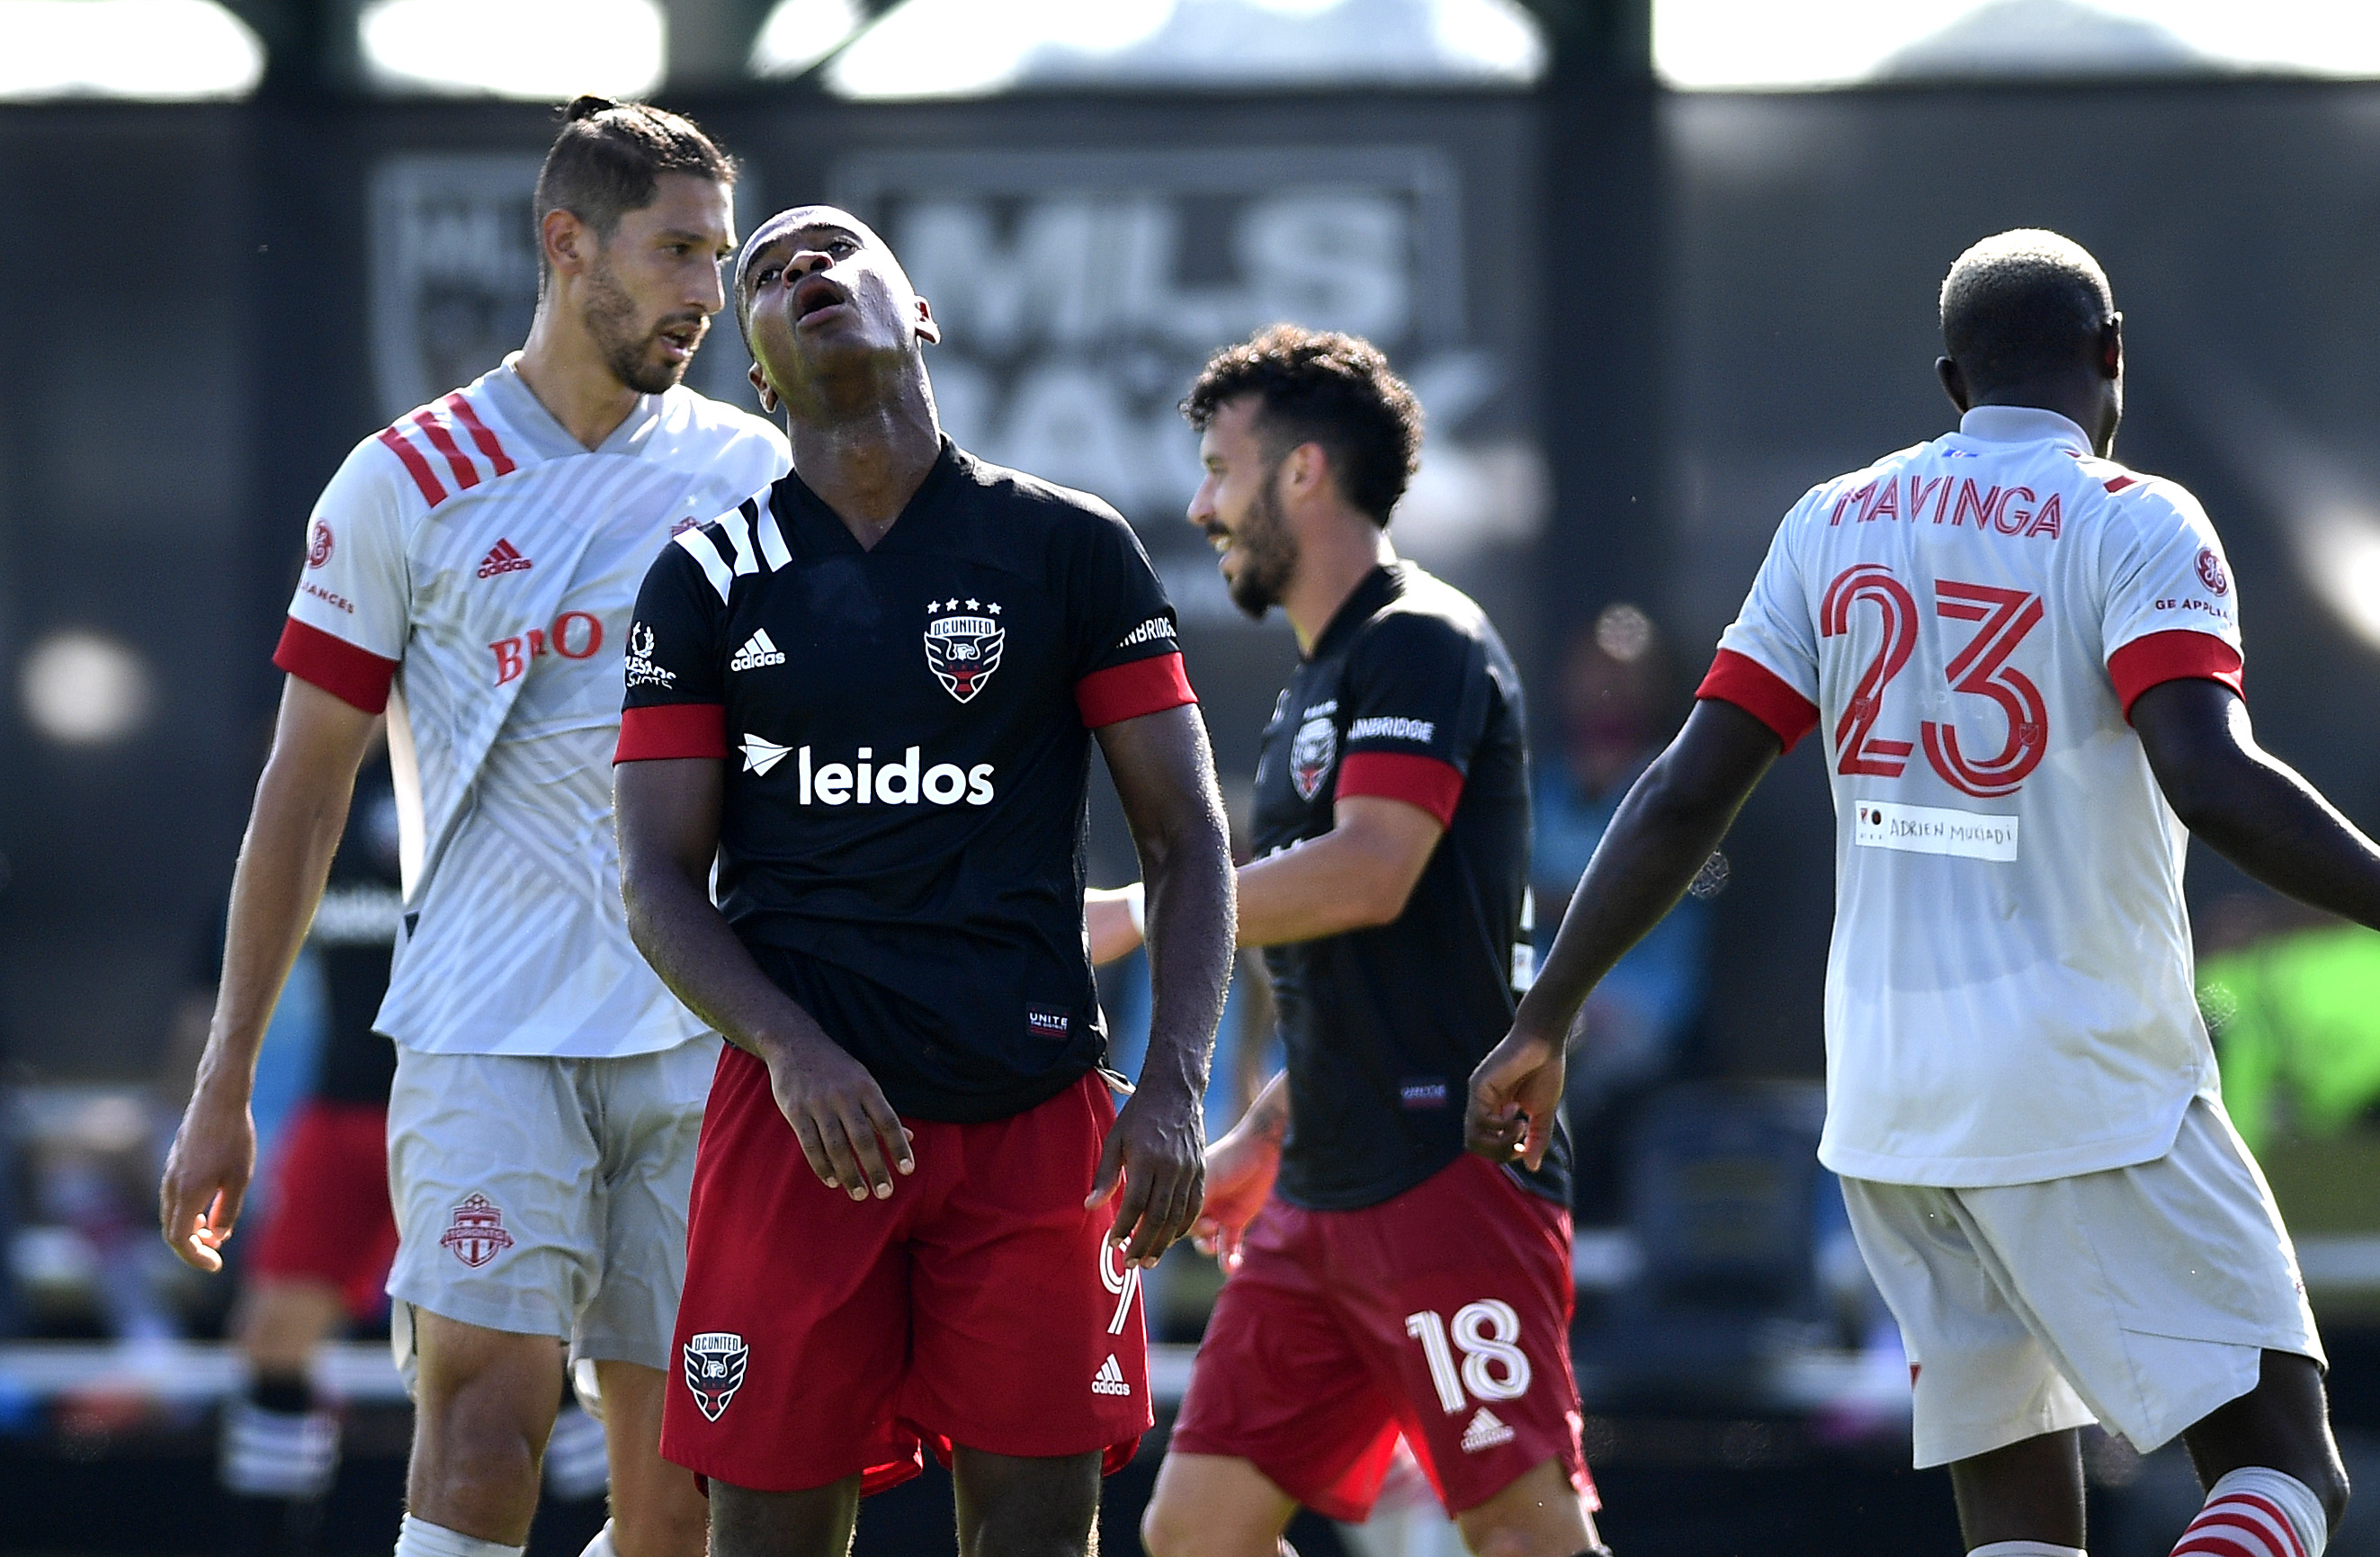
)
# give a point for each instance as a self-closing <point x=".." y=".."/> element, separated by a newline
<point x="1220" y="539"/>
<point x="678" y="340"/>
<point x="815" y="297"/>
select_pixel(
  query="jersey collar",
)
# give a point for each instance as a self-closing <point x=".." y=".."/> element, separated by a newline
<point x="812" y="512"/>
<point x="535" y="427"/>
<point x="2022" y="424"/>
<point x="1383" y="584"/>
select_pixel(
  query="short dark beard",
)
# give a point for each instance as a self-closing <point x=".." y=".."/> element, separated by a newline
<point x="610" y="316"/>
<point x="1271" y="549"/>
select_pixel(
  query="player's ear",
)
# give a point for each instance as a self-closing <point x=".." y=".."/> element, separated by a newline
<point x="567" y="243"/>
<point x="1954" y="381"/>
<point x="2111" y="348"/>
<point x="761" y="386"/>
<point x="928" y="330"/>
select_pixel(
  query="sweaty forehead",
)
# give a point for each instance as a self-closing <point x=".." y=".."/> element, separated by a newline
<point x="799" y="221"/>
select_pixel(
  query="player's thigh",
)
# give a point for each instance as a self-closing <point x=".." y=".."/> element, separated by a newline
<point x="1981" y="1380"/>
<point x="1282" y="1383"/>
<point x="2159" y="1287"/>
<point x="814" y="1522"/>
<point x="479" y="1391"/>
<point x="1027" y="1333"/>
<point x="647" y="1112"/>
<point x="1009" y="1503"/>
<point x="492" y="1175"/>
<point x="1215" y="1505"/>
<point x="1539" y="1515"/>
<point x="1460" y="1291"/>
<point x="657" y="1507"/>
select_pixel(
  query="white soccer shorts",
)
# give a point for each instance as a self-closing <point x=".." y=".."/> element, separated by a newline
<point x="2141" y="1297"/>
<point x="546" y="1196"/>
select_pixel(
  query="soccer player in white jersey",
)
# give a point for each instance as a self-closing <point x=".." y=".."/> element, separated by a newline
<point x="2024" y="661"/>
<point x="473" y="566"/>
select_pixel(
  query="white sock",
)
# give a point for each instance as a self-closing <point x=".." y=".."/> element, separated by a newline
<point x="419" y="1538"/>
<point x="2026" y="1549"/>
<point x="291" y="1455"/>
<point x="601" y="1545"/>
<point x="2256" y="1512"/>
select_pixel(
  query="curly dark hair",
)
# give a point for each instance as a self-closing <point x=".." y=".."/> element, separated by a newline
<point x="1318" y="387"/>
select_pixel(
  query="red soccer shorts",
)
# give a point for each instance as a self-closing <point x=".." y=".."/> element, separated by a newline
<point x="822" y="1337"/>
<point x="331" y="1221"/>
<point x="1442" y="1313"/>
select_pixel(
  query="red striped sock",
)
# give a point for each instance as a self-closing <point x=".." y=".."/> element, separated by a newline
<point x="2256" y="1513"/>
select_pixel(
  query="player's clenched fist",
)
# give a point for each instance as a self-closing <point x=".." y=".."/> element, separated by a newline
<point x="1515" y="1092"/>
<point x="1158" y="1148"/>
<point x="846" y="1129"/>
<point x="206" y="1177"/>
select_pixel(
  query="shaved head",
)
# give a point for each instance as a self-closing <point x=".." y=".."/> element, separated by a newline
<point x="2023" y="305"/>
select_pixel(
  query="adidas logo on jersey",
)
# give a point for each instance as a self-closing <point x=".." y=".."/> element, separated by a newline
<point x="1110" y="1380"/>
<point x="757" y="651"/>
<point x="504" y="558"/>
<point x="1486" y="1431"/>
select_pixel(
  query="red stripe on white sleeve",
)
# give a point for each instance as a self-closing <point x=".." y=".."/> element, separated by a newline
<point x="356" y="676"/>
<point x="415" y="465"/>
<point x="1760" y="692"/>
<point x="467" y="475"/>
<point x="1434" y="786"/>
<point x="480" y="431"/>
<point x="672" y="730"/>
<point x="1127" y="691"/>
<point x="2180" y="655"/>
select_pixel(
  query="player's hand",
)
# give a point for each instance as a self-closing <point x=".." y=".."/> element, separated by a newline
<point x="1240" y="1171"/>
<point x="206" y="1178"/>
<point x="1515" y="1093"/>
<point x="1107" y="917"/>
<point x="1157" y="1151"/>
<point x="850" y="1134"/>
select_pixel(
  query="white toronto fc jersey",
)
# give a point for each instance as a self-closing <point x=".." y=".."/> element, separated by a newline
<point x="479" y="558"/>
<point x="2008" y="991"/>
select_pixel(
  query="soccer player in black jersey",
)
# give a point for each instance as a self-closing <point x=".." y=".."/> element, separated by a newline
<point x="870" y="695"/>
<point x="1387" y="1282"/>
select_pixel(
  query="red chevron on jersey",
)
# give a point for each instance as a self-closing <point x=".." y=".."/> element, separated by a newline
<point x="504" y="558"/>
<point x="426" y="441"/>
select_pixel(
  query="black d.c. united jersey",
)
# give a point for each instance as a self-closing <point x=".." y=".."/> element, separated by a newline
<point x="907" y="731"/>
<point x="1408" y="694"/>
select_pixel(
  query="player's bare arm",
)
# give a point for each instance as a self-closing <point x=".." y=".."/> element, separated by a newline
<point x="668" y="815"/>
<point x="1674" y="815"/>
<point x="2250" y="808"/>
<point x="1241" y="1167"/>
<point x="1164" y="773"/>
<point x="293" y="830"/>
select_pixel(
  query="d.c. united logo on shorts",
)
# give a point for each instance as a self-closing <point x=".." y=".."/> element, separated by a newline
<point x="714" y="1370"/>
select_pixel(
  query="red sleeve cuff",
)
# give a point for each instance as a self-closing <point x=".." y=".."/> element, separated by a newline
<point x="356" y="676"/>
<point x="1760" y="692"/>
<point x="1425" y="781"/>
<point x="2180" y="655"/>
<point x="672" y="730"/>
<point x="1127" y="691"/>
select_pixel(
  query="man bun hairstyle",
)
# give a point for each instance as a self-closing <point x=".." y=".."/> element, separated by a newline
<point x="2023" y="305"/>
<point x="1317" y="386"/>
<point x="610" y="156"/>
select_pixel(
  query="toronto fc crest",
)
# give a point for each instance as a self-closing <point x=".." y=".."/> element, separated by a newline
<point x="714" y="1370"/>
<point x="475" y="1232"/>
<point x="1311" y="754"/>
<point x="963" y="644"/>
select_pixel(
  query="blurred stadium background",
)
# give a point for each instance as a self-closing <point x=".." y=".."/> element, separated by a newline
<point x="1654" y="267"/>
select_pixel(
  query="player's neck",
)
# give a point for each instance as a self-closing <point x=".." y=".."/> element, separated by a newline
<point x="567" y="372"/>
<point x="1332" y="559"/>
<point x="868" y="464"/>
<point x="2081" y="402"/>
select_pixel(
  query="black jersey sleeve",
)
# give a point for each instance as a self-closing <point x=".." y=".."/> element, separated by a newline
<point x="676" y="663"/>
<point x="1127" y="660"/>
<point x="1417" y="694"/>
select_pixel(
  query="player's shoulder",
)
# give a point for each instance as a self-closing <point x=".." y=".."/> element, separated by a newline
<point x="726" y="548"/>
<point x="2144" y="506"/>
<point x="1023" y="497"/>
<point x="696" y="428"/>
<point x="1822" y="503"/>
<point x="1428" y="618"/>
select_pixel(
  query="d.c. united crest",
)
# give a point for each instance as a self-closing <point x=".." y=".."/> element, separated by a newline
<point x="474" y="1233"/>
<point x="1311" y="754"/>
<point x="714" y="1370"/>
<point x="963" y="644"/>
